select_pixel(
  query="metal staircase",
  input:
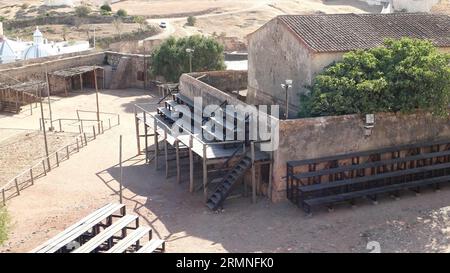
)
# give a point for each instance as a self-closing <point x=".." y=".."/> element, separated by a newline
<point x="230" y="179"/>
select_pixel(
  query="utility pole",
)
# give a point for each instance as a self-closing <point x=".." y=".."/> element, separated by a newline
<point x="96" y="98"/>
<point x="190" y="51"/>
<point x="121" y="171"/>
<point x="48" y="96"/>
<point x="286" y="86"/>
<point x="45" y="134"/>
<point x="94" y="37"/>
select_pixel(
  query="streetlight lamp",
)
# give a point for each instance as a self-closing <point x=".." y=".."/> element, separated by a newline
<point x="190" y="51"/>
<point x="286" y="86"/>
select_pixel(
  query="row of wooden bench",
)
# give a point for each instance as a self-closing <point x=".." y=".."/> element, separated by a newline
<point x="348" y="182"/>
<point x="99" y="232"/>
<point x="216" y="127"/>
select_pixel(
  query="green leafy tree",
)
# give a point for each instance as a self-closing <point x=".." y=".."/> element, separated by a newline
<point x="171" y="59"/>
<point x="106" y="7"/>
<point x="82" y="11"/>
<point x="140" y="20"/>
<point x="122" y="13"/>
<point x="4" y="222"/>
<point x="401" y="76"/>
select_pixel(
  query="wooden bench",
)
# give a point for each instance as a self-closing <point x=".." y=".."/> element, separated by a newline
<point x="154" y="245"/>
<point x="132" y="239"/>
<point x="91" y="222"/>
<point x="349" y="189"/>
<point x="108" y="234"/>
<point x="334" y="179"/>
<point x="182" y="99"/>
<point x="373" y="192"/>
<point x="166" y="113"/>
<point x="410" y="161"/>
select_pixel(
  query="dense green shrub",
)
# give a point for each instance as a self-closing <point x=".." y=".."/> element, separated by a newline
<point x="191" y="20"/>
<point x="106" y="7"/>
<point x="140" y="20"/>
<point x="171" y="59"/>
<point x="401" y="76"/>
<point x="122" y="13"/>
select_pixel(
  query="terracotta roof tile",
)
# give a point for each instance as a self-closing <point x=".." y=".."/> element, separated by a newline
<point x="344" y="32"/>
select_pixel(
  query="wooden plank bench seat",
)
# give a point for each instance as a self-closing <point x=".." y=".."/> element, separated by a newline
<point x="167" y="114"/>
<point x="375" y="164"/>
<point x="371" y="193"/>
<point x="363" y="179"/>
<point x="132" y="239"/>
<point x="171" y="104"/>
<point x="182" y="99"/>
<point x="294" y="163"/>
<point x="74" y="232"/>
<point x="153" y="246"/>
<point x="108" y="233"/>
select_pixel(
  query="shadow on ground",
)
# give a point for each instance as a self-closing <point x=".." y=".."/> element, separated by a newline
<point x="282" y="227"/>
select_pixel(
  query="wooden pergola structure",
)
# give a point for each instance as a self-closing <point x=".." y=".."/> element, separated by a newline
<point x="75" y="78"/>
<point x="12" y="97"/>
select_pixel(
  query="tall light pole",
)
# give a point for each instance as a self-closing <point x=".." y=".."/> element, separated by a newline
<point x="45" y="134"/>
<point x="96" y="98"/>
<point x="190" y="51"/>
<point x="286" y="86"/>
<point x="49" y="102"/>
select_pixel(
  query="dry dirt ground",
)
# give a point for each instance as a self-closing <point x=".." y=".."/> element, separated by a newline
<point x="84" y="32"/>
<point x="23" y="149"/>
<point x="232" y="18"/>
<point x="89" y="180"/>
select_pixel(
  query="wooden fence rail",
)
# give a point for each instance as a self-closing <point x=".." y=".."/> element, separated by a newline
<point x="28" y="177"/>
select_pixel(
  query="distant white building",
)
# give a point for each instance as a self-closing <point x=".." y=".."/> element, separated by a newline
<point x="55" y="3"/>
<point x="11" y="51"/>
<point x="406" y="5"/>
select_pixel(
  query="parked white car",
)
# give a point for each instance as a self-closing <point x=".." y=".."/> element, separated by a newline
<point x="163" y="25"/>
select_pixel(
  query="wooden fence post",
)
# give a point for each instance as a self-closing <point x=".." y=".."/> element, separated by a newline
<point x="253" y="172"/>
<point x="43" y="165"/>
<point x="17" y="186"/>
<point x="31" y="176"/>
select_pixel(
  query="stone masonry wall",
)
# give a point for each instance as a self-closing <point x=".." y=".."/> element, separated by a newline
<point x="318" y="137"/>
